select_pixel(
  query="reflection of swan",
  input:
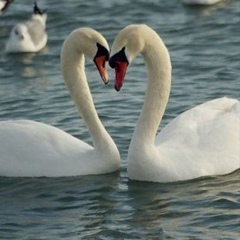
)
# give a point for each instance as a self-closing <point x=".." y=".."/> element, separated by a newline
<point x="202" y="141"/>
<point x="201" y="2"/>
<point x="29" y="148"/>
<point x="29" y="36"/>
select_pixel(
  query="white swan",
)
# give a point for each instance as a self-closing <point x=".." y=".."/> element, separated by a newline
<point x="202" y="141"/>
<point x="29" y="36"/>
<point x="33" y="149"/>
<point x="200" y="2"/>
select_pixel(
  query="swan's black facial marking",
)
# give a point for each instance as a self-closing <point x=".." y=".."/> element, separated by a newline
<point x="102" y="51"/>
<point x="118" y="57"/>
<point x="120" y="63"/>
<point x="100" y="59"/>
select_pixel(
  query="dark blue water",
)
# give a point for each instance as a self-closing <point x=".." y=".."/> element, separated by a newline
<point x="204" y="47"/>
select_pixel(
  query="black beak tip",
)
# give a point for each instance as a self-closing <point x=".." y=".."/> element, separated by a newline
<point x="117" y="89"/>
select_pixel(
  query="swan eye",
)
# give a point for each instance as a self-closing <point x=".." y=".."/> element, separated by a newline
<point x="118" y="57"/>
<point x="102" y="51"/>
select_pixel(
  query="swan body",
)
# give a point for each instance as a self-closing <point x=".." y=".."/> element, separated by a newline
<point x="200" y="2"/>
<point x="33" y="149"/>
<point x="202" y="141"/>
<point x="29" y="36"/>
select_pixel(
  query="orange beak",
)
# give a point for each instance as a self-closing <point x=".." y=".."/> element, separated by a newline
<point x="100" y="63"/>
<point x="120" y="71"/>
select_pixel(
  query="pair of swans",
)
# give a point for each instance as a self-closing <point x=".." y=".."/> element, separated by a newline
<point x="202" y="141"/>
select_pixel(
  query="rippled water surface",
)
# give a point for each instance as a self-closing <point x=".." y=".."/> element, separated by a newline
<point x="204" y="47"/>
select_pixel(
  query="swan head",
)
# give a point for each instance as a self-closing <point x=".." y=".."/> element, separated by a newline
<point x="19" y="32"/>
<point x="92" y="44"/>
<point x="18" y="40"/>
<point x="126" y="46"/>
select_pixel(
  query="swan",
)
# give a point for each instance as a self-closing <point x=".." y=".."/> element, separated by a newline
<point x="200" y="142"/>
<point x="200" y="2"/>
<point x="34" y="149"/>
<point x="4" y="5"/>
<point x="29" y="36"/>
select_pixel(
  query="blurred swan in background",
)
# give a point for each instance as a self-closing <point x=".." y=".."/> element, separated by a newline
<point x="200" y="2"/>
<point x="29" y="36"/>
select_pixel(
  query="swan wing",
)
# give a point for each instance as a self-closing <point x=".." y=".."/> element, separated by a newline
<point x="29" y="148"/>
<point x="204" y="140"/>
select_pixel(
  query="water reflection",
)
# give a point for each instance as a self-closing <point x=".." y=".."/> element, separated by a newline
<point x="148" y="203"/>
<point x="27" y="65"/>
<point x="58" y="202"/>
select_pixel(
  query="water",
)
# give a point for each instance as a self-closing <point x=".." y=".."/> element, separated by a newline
<point x="204" y="48"/>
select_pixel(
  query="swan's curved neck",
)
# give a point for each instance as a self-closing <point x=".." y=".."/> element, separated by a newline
<point x="73" y="63"/>
<point x="158" y="64"/>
